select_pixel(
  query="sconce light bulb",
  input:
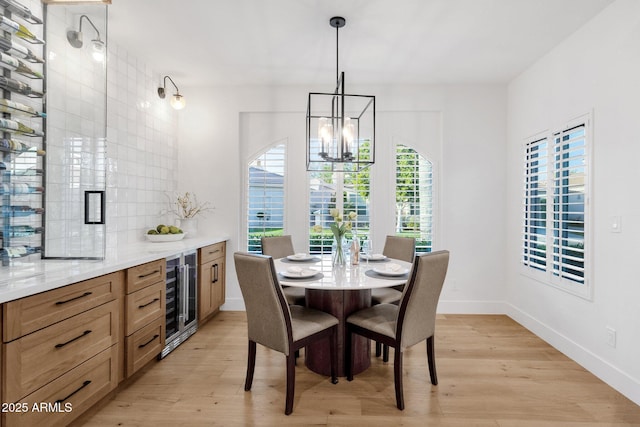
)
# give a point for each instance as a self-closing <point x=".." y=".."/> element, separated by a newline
<point x="178" y="102"/>
<point x="98" y="50"/>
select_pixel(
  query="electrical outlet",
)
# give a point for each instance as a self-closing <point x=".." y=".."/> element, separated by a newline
<point x="611" y="337"/>
<point x="616" y="224"/>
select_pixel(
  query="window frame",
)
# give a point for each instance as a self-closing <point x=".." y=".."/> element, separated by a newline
<point x="546" y="275"/>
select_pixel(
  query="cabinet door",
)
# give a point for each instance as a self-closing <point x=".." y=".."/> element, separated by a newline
<point x="212" y="289"/>
<point x="205" y="276"/>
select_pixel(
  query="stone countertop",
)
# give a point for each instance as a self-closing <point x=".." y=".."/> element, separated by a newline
<point x="29" y="278"/>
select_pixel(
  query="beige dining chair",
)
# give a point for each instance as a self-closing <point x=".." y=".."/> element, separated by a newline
<point x="396" y="247"/>
<point x="277" y="325"/>
<point x="404" y="325"/>
<point x="280" y="247"/>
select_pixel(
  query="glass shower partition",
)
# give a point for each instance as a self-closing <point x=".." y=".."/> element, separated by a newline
<point x="76" y="103"/>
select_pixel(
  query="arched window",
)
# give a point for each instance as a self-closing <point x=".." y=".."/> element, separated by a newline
<point x="265" y="196"/>
<point x="414" y="197"/>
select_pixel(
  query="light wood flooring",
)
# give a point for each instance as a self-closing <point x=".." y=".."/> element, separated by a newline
<point x="492" y="372"/>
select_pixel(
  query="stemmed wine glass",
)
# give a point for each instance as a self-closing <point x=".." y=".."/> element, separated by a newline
<point x="367" y="248"/>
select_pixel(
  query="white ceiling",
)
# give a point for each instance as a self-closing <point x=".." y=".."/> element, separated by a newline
<point x="213" y="42"/>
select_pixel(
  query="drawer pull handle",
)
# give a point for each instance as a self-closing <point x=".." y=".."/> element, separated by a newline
<point x="84" y="384"/>
<point x="86" y="294"/>
<point x="149" y="342"/>
<point x="149" y="303"/>
<point x="142" y="276"/>
<point x="213" y="252"/>
<point x="73" y="339"/>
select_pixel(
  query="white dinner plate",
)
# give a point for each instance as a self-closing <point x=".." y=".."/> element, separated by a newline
<point x="373" y="257"/>
<point x="302" y="274"/>
<point x="300" y="257"/>
<point x="385" y="272"/>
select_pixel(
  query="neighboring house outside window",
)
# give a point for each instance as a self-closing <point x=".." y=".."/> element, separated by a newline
<point x="265" y="196"/>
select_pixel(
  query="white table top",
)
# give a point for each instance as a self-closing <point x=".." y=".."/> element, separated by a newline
<point x="348" y="277"/>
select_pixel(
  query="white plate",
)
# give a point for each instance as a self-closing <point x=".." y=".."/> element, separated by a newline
<point x="385" y="272"/>
<point x="303" y="274"/>
<point x="297" y="257"/>
<point x="165" y="237"/>
<point x="373" y="257"/>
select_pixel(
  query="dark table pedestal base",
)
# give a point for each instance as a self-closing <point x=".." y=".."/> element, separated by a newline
<point x="340" y="303"/>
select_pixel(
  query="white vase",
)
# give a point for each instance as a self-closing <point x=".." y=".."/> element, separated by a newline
<point x="189" y="226"/>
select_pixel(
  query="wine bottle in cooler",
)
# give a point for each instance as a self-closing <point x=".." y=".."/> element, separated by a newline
<point x="18" y="108"/>
<point x="19" y="30"/>
<point x="17" y="146"/>
<point x="16" y="49"/>
<point x="21" y="210"/>
<point x="19" y="188"/>
<point x="23" y="231"/>
<point x="19" y="251"/>
<point x="21" y="11"/>
<point x="8" y="125"/>
<point x="14" y="64"/>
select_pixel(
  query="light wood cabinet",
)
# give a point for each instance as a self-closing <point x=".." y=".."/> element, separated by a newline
<point x="145" y="310"/>
<point x="211" y="277"/>
<point x="61" y="349"/>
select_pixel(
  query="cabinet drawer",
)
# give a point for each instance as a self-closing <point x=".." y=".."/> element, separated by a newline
<point x="211" y="252"/>
<point x="144" y="345"/>
<point x="40" y="357"/>
<point x="144" y="306"/>
<point x="76" y="391"/>
<point x="32" y="313"/>
<point x="143" y="275"/>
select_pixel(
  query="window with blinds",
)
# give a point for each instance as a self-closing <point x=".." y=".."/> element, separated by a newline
<point x="414" y="197"/>
<point x="324" y="186"/>
<point x="569" y="191"/>
<point x="265" y="196"/>
<point x="555" y="215"/>
<point x="534" y="245"/>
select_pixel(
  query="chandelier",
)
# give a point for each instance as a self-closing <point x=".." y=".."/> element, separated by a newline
<point x="340" y="127"/>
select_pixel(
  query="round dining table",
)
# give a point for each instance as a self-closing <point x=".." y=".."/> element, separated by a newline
<point x="340" y="291"/>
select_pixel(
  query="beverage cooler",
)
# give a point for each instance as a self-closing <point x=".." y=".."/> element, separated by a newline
<point x="181" y="282"/>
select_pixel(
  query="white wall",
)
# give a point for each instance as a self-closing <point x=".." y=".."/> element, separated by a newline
<point x="472" y="194"/>
<point x="597" y="69"/>
<point x="142" y="149"/>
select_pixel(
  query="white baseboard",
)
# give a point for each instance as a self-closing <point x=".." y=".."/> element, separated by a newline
<point x="471" y="307"/>
<point x="622" y="382"/>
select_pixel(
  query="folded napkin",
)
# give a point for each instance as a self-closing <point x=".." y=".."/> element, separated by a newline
<point x="377" y="256"/>
<point x="393" y="267"/>
<point x="294" y="270"/>
<point x="300" y="255"/>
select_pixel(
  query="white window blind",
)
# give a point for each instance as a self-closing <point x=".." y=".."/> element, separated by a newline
<point x="556" y="209"/>
<point x="569" y="194"/>
<point x="534" y="244"/>
<point x="414" y="197"/>
<point x="265" y="196"/>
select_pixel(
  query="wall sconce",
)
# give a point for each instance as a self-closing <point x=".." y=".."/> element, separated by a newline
<point x="177" y="101"/>
<point x="97" y="45"/>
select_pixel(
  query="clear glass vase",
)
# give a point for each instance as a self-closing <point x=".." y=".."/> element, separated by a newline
<point x="339" y="251"/>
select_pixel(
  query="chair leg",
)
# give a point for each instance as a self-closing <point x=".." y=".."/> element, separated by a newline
<point x="397" y="374"/>
<point x="431" y="358"/>
<point x="348" y="358"/>
<point x="251" y="364"/>
<point x="333" y="348"/>
<point x="291" y="383"/>
<point x="385" y="353"/>
<point x="378" y="349"/>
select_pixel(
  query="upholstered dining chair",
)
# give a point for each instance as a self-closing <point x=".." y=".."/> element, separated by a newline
<point x="277" y="325"/>
<point x="280" y="247"/>
<point x="397" y="247"/>
<point x="404" y="325"/>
